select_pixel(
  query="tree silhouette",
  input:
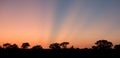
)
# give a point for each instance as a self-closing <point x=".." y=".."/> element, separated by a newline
<point x="14" y="46"/>
<point x="103" y="48"/>
<point x="25" y="45"/>
<point x="117" y="46"/>
<point x="6" y="45"/>
<point x="37" y="47"/>
<point x="103" y="44"/>
<point x="64" y="45"/>
<point x="94" y="47"/>
<point x="55" y="46"/>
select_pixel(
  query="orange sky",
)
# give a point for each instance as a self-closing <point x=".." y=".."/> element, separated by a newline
<point x="42" y="22"/>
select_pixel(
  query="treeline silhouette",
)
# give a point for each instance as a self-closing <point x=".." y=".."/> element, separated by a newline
<point x="100" y="44"/>
<point x="102" y="48"/>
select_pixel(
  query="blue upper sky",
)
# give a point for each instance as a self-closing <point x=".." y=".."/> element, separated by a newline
<point x="60" y="20"/>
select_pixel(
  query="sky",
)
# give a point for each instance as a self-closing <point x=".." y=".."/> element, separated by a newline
<point x="42" y="22"/>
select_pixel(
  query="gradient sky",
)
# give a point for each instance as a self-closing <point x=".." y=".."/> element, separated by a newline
<point x="80" y="22"/>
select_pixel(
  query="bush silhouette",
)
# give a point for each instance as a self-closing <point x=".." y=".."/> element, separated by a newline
<point x="6" y="45"/>
<point x="14" y="46"/>
<point x="37" y="47"/>
<point x="25" y="45"/>
<point x="72" y="47"/>
<point x="117" y="46"/>
<point x="0" y="47"/>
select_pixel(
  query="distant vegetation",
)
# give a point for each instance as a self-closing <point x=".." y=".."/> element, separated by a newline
<point x="102" y="48"/>
<point x="100" y="44"/>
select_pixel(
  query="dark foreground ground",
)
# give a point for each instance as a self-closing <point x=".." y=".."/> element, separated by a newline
<point x="29" y="53"/>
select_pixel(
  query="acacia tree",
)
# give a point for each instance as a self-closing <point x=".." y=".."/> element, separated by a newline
<point x="55" y="46"/>
<point x="25" y="45"/>
<point x="64" y="45"/>
<point x="103" y="44"/>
